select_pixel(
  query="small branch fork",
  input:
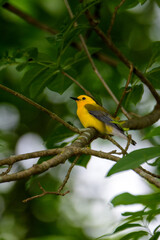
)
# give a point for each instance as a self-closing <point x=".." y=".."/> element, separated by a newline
<point x="44" y="192"/>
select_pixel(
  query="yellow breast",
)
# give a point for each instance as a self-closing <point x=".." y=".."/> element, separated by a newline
<point x="88" y="120"/>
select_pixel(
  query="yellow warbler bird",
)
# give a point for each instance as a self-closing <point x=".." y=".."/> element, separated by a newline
<point x="93" y="115"/>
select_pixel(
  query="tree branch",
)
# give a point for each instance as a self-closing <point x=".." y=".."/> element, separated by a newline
<point x="28" y="18"/>
<point x="113" y="18"/>
<point x="75" y="149"/>
<point x="41" y="108"/>
<point x="13" y="159"/>
<point x="123" y="59"/>
<point x="125" y="89"/>
<point x="78" y="84"/>
<point x="83" y="140"/>
<point x="145" y="121"/>
<point x="44" y="192"/>
<point x="92" y="62"/>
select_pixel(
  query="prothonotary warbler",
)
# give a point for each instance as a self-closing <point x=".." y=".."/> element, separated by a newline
<point x="93" y="115"/>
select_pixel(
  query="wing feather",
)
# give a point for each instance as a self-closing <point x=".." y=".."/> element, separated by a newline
<point x="101" y="114"/>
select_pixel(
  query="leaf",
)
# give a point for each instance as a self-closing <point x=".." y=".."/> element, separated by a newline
<point x="155" y="163"/>
<point x="152" y="133"/>
<point x="155" y="53"/>
<point x="134" y="159"/>
<point x="21" y="66"/>
<point x="139" y="215"/>
<point x="135" y="95"/>
<point x="134" y="235"/>
<point x="142" y="1"/>
<point x="126" y="226"/>
<point x="59" y="84"/>
<point x="41" y="81"/>
<point x="127" y="199"/>
<point x="31" y="74"/>
<point x="59" y="134"/>
<point x="155" y="236"/>
<point x="154" y="76"/>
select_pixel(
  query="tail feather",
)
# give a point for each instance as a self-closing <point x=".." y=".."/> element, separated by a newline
<point x="116" y="132"/>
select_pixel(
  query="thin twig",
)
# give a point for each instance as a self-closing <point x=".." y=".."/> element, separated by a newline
<point x="115" y="143"/>
<point x="44" y="192"/>
<point x="113" y="18"/>
<point x="68" y="174"/>
<point x="28" y="18"/>
<point x="128" y="143"/>
<point x="93" y="64"/>
<point x="7" y="171"/>
<point x="78" y="84"/>
<point x="125" y="90"/>
<point x="38" y="106"/>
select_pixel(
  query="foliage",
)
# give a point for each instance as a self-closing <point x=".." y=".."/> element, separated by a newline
<point x="35" y="62"/>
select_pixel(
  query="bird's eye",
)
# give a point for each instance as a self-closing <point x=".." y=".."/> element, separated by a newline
<point x="83" y="98"/>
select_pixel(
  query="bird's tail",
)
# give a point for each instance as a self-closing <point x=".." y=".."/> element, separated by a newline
<point x="116" y="132"/>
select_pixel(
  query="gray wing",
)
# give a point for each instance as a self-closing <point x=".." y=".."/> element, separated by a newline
<point x="102" y="115"/>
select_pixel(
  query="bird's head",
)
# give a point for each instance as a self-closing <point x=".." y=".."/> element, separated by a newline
<point x="83" y="100"/>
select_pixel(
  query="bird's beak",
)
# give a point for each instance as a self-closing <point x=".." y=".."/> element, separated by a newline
<point x="76" y="99"/>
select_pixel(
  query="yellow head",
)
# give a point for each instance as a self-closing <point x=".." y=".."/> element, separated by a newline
<point x="83" y="100"/>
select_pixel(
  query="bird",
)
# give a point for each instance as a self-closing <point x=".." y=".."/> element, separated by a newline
<point x="93" y="115"/>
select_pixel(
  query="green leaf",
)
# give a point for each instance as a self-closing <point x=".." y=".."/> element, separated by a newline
<point x="149" y="215"/>
<point x="134" y="235"/>
<point x="154" y="76"/>
<point x="154" y="132"/>
<point x="142" y="1"/>
<point x="126" y="226"/>
<point x="135" y="95"/>
<point x="59" y="134"/>
<point x="155" y="53"/>
<point x="127" y="199"/>
<point x="155" y="236"/>
<point x="41" y="81"/>
<point x="59" y="83"/>
<point x="21" y="66"/>
<point x="34" y="71"/>
<point x="134" y="159"/>
<point x="155" y="163"/>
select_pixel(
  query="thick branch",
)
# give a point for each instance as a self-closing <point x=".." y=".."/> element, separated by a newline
<point x="13" y="159"/>
<point x="68" y="152"/>
<point x="145" y="121"/>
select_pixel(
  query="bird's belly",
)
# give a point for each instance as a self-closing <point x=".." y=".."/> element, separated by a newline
<point x="88" y="120"/>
